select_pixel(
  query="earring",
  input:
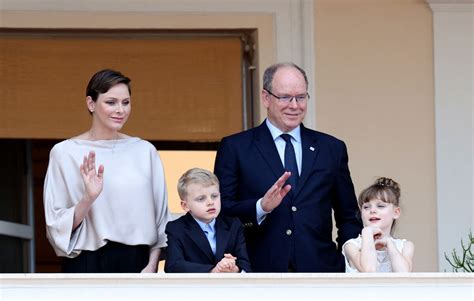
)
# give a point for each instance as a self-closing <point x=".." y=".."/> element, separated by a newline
<point x="92" y="111"/>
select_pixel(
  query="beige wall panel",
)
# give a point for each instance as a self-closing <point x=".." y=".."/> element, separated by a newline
<point x="374" y="75"/>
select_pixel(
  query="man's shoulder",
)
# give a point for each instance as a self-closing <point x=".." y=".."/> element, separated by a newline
<point x="244" y="135"/>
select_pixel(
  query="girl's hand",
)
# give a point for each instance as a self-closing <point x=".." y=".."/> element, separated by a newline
<point x="381" y="242"/>
<point x="93" y="180"/>
<point x="372" y="231"/>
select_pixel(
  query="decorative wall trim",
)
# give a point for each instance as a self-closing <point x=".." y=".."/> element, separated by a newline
<point x="453" y="32"/>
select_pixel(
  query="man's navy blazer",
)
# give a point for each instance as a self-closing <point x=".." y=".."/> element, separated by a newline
<point x="298" y="233"/>
<point x="189" y="251"/>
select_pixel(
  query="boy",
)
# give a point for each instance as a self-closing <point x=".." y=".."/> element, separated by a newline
<point x="202" y="241"/>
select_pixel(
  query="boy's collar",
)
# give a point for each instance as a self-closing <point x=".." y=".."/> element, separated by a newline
<point x="203" y="225"/>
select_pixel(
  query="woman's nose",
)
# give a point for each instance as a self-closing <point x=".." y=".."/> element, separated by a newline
<point x="119" y="108"/>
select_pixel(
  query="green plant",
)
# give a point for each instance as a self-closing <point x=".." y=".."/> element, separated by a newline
<point x="464" y="263"/>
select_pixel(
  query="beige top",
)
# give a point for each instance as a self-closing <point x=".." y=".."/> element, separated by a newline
<point x="132" y="208"/>
<point x="385" y="265"/>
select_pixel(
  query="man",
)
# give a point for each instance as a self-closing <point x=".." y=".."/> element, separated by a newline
<point x="288" y="214"/>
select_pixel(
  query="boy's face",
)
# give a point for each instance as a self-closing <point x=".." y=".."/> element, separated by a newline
<point x="204" y="203"/>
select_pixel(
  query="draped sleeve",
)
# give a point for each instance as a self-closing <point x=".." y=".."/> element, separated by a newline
<point x="160" y="196"/>
<point x="58" y="205"/>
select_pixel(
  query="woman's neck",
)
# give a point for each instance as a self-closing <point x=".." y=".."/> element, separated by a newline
<point x="95" y="134"/>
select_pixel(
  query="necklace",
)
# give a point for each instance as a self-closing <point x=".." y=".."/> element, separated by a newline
<point x="112" y="141"/>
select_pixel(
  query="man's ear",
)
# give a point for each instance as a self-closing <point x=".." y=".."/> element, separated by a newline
<point x="265" y="97"/>
<point x="90" y="104"/>
<point x="184" y="205"/>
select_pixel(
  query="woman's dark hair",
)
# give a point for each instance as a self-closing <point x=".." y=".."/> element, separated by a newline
<point x="102" y="81"/>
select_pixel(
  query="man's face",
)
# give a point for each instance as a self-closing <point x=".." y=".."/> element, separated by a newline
<point x="286" y="116"/>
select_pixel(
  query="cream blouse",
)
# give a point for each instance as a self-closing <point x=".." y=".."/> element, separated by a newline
<point x="132" y="208"/>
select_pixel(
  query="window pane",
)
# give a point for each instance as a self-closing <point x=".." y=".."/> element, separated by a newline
<point x="13" y="254"/>
<point x="13" y="181"/>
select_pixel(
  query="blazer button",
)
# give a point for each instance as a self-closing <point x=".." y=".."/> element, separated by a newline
<point x="288" y="232"/>
<point x="293" y="208"/>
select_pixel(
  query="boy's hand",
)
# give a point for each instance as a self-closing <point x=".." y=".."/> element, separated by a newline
<point x="226" y="265"/>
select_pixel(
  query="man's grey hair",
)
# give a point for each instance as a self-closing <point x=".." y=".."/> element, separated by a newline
<point x="270" y="73"/>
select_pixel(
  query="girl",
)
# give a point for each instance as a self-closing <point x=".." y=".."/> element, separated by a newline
<point x="375" y="250"/>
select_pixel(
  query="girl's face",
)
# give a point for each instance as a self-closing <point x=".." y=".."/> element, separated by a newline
<point x="111" y="110"/>
<point x="379" y="214"/>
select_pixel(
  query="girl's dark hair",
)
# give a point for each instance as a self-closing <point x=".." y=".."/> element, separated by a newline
<point x="102" y="81"/>
<point x="384" y="189"/>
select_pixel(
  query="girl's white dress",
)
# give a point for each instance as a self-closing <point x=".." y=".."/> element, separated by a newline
<point x="385" y="265"/>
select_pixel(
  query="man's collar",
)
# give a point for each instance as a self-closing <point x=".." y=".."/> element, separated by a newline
<point x="276" y="132"/>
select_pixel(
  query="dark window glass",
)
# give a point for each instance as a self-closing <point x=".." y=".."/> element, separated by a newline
<point x="13" y="202"/>
<point x="13" y="255"/>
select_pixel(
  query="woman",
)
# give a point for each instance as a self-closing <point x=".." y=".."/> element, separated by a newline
<point x="105" y="196"/>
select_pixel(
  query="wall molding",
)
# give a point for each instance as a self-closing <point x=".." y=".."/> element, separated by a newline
<point x="453" y="32"/>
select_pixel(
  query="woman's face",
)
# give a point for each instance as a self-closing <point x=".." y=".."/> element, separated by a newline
<point x="111" y="110"/>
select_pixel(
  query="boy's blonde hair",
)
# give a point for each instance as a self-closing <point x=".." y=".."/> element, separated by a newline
<point x="195" y="176"/>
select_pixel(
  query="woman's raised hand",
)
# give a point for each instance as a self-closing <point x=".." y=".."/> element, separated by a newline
<point x="93" y="179"/>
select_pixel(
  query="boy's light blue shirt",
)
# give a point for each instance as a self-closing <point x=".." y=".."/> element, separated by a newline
<point x="210" y="231"/>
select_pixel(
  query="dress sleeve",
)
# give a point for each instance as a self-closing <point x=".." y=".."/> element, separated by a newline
<point x="160" y="197"/>
<point x="59" y="208"/>
<point x="349" y="268"/>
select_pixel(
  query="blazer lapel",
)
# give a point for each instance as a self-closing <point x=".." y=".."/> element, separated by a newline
<point x="310" y="150"/>
<point x="222" y="238"/>
<point x="266" y="147"/>
<point x="196" y="234"/>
